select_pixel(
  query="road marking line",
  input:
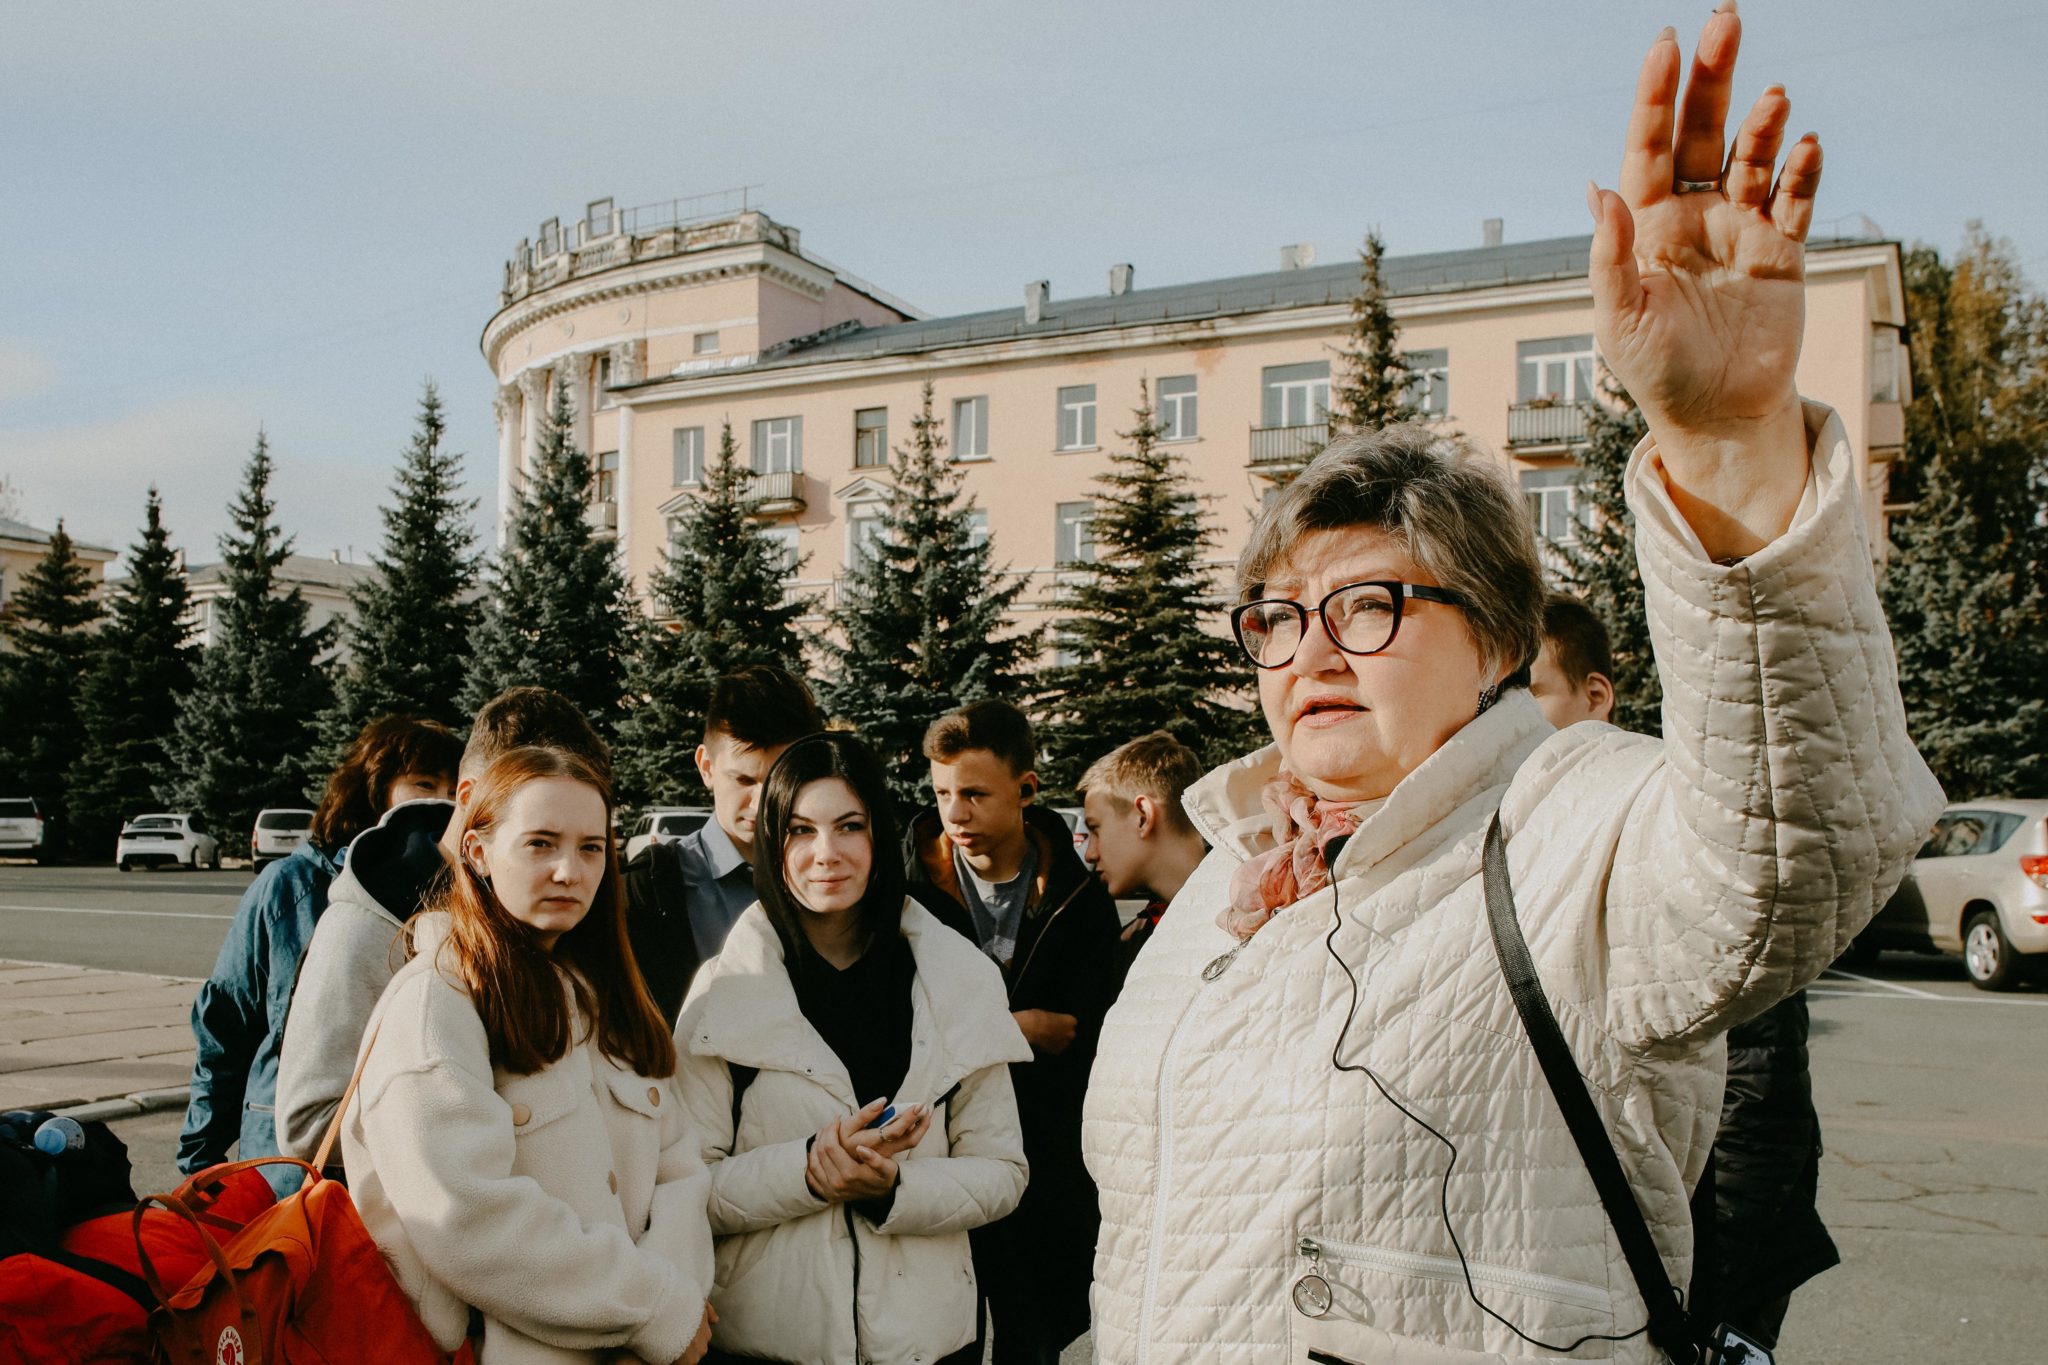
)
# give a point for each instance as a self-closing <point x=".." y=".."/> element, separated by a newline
<point x="83" y="910"/>
<point x="1885" y="985"/>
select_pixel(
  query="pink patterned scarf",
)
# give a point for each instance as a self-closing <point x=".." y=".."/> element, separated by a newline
<point x="1303" y="826"/>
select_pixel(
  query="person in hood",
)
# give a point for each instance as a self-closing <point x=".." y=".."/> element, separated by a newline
<point x="683" y="897"/>
<point x="514" y="1144"/>
<point x="238" y="1017"/>
<point x="389" y="872"/>
<point x="846" y="1063"/>
<point x="1003" y="872"/>
<point x="1318" y="1123"/>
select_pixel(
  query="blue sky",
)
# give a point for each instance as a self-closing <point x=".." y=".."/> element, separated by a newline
<point x="225" y="216"/>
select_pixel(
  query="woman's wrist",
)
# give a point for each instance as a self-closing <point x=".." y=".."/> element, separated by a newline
<point x="1736" y="483"/>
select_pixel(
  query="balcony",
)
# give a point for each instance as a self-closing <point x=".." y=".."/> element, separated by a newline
<point x="602" y="517"/>
<point x="778" y="494"/>
<point x="1278" y="452"/>
<point x="1543" y="423"/>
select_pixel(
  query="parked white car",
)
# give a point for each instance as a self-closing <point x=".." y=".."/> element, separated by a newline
<point x="172" y="840"/>
<point x="276" y="834"/>
<point x="21" y="828"/>
<point x="1979" y="887"/>
<point x="664" y="825"/>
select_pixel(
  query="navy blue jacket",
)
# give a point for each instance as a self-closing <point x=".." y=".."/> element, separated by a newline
<point x="238" y="1017"/>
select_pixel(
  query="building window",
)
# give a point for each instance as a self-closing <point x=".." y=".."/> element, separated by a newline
<point x="977" y="527"/>
<point x="1177" y="408"/>
<point x="1553" y="496"/>
<point x="1296" y="395"/>
<point x="704" y="343"/>
<point x="1884" y="365"/>
<point x="605" y="477"/>
<point x="870" y="438"/>
<point x="1559" y="369"/>
<point x="778" y="445"/>
<point x="689" y="456"/>
<point x="783" y="541"/>
<point x="1077" y="417"/>
<point x="864" y="531"/>
<point x="970" y="428"/>
<point x="1072" y="540"/>
<point x="1429" y="383"/>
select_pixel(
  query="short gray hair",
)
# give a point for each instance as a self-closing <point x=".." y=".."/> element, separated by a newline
<point x="1449" y="506"/>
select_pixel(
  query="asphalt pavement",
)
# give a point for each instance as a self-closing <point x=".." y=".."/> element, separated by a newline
<point x="1933" y="1099"/>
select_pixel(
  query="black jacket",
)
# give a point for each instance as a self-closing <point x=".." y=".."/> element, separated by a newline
<point x="1068" y="961"/>
<point x="658" y="924"/>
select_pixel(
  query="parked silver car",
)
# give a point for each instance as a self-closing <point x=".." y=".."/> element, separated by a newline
<point x="21" y="828"/>
<point x="172" y="840"/>
<point x="1979" y="887"/>
<point x="277" y="832"/>
<point x="664" y="825"/>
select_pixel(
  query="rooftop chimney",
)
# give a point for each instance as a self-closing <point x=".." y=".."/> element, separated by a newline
<point x="1298" y="256"/>
<point x="1035" y="295"/>
<point x="1120" y="279"/>
<point x="1489" y="232"/>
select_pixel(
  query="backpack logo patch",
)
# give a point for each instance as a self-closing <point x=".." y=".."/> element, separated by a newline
<point x="228" y="1350"/>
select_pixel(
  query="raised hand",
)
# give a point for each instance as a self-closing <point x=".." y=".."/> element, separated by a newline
<point x="1699" y="288"/>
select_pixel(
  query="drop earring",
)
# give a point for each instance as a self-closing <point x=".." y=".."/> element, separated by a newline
<point x="1487" y="697"/>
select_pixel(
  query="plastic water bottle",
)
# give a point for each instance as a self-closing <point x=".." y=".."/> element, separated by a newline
<point x="60" y="1135"/>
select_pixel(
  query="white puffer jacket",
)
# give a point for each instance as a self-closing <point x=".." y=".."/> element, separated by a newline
<point x="812" y="1283"/>
<point x="1667" y="889"/>
<point x="567" y="1206"/>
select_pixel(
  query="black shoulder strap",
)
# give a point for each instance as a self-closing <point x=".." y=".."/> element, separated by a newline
<point x="1668" y="1327"/>
<point x="113" y="1276"/>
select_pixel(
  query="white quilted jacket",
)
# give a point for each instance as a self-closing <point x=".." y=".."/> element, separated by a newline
<point x="1668" y="890"/>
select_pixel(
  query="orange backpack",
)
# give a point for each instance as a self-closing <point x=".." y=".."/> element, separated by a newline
<point x="299" y="1282"/>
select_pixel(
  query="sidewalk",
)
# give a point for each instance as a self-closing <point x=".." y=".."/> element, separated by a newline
<point x="120" y="1042"/>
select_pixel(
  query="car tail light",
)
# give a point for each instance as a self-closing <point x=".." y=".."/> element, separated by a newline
<point x="2035" y="865"/>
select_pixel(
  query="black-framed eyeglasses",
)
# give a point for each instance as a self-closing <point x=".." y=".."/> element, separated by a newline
<point x="1360" y="618"/>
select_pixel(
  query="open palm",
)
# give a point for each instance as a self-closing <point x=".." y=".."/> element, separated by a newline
<point x="1699" y="293"/>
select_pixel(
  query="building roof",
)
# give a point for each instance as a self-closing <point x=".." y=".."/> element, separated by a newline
<point x="1436" y="272"/>
<point x="303" y="570"/>
<point x="10" y="529"/>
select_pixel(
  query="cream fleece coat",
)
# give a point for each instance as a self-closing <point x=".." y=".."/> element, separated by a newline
<point x="807" y="1282"/>
<point x="1668" y="889"/>
<point x="567" y="1206"/>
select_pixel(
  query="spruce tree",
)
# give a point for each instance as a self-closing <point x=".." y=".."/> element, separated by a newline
<point x="1373" y="381"/>
<point x="1144" y="629"/>
<point x="557" y="614"/>
<point x="409" y="640"/>
<point x="720" y="602"/>
<point x="49" y="635"/>
<point x="1966" y="582"/>
<point x="247" y="733"/>
<point x="141" y="665"/>
<point x="1600" y="564"/>
<point x="921" y="627"/>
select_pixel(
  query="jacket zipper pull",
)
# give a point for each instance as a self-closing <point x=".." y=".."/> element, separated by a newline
<point x="1311" y="1292"/>
<point x="1221" y="963"/>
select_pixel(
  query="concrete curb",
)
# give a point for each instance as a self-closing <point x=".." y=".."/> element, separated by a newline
<point x="129" y="1106"/>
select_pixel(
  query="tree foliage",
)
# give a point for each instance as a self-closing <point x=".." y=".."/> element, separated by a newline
<point x="1600" y="564"/>
<point x="921" y="626"/>
<point x="1966" y="583"/>
<point x="1142" y="629"/>
<point x="141" y="665"/>
<point x="246" y="735"/>
<point x="1373" y="382"/>
<point x="720" y="602"/>
<point x="557" y="614"/>
<point x="408" y="643"/>
<point x="48" y="634"/>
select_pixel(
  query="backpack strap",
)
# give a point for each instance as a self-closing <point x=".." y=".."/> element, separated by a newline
<point x="1668" y="1324"/>
<point x="106" y="1272"/>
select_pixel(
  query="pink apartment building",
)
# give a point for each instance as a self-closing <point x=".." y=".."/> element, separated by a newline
<point x="669" y="321"/>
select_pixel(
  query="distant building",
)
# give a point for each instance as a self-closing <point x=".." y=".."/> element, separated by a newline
<point x="23" y="546"/>
<point x="667" y="322"/>
<point x="324" y="583"/>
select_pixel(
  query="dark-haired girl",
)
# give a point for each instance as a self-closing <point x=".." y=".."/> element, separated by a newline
<point x="514" y="1144"/>
<point x="846" y="1064"/>
<point x="238" y="1016"/>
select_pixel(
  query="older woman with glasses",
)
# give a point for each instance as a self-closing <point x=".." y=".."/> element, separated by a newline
<point x="1317" y="1121"/>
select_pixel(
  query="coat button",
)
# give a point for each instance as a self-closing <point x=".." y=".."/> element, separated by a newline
<point x="613" y="1181"/>
<point x="654" y="1096"/>
<point x="520" y="1114"/>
